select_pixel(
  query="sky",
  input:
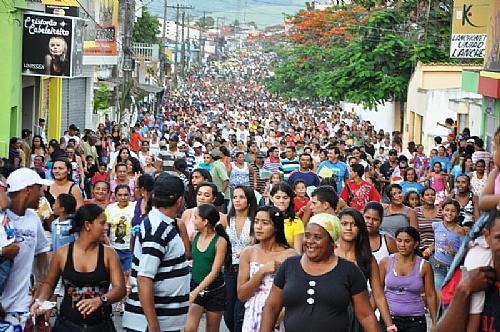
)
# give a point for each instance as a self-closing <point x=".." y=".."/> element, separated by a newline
<point x="262" y="12"/>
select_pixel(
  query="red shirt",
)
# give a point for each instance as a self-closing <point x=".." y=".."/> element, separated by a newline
<point x="100" y="177"/>
<point x="135" y="139"/>
<point x="362" y="193"/>
<point x="299" y="205"/>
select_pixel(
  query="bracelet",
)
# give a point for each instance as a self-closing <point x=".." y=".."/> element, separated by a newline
<point x="392" y="328"/>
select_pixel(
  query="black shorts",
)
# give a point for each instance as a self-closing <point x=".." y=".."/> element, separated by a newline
<point x="212" y="299"/>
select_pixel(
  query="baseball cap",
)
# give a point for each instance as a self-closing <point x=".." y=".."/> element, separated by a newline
<point x="471" y="140"/>
<point x="197" y="145"/>
<point x="215" y="153"/>
<point x="25" y="177"/>
<point x="174" y="138"/>
<point x="168" y="186"/>
<point x="73" y="127"/>
<point x="260" y="154"/>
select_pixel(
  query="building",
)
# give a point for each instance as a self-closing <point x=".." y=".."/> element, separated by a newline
<point x="30" y="93"/>
<point x="434" y="94"/>
<point x="486" y="80"/>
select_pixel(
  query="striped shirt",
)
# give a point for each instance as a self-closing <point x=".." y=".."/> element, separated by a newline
<point x="272" y="165"/>
<point x="159" y="254"/>
<point x="288" y="166"/>
<point x="484" y="155"/>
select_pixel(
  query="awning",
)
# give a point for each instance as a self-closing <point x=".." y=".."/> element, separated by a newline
<point x="150" y="88"/>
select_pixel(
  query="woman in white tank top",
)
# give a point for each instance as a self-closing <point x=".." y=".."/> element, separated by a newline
<point x="382" y="245"/>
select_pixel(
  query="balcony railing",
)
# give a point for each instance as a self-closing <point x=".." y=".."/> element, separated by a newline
<point x="146" y="52"/>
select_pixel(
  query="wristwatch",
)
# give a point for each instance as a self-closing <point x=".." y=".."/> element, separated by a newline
<point x="104" y="299"/>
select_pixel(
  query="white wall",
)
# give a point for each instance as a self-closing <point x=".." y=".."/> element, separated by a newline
<point x="437" y="110"/>
<point x="381" y="118"/>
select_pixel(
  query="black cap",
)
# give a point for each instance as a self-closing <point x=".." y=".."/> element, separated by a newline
<point x="168" y="186"/>
<point x="73" y="127"/>
<point x="261" y="154"/>
<point x="174" y="138"/>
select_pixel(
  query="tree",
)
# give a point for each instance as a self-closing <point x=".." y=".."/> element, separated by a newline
<point x="146" y="28"/>
<point x="206" y="22"/>
<point x="363" y="54"/>
<point x="102" y="97"/>
<point x="253" y="24"/>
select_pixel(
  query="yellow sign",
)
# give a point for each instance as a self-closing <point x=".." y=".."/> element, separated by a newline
<point x="469" y="28"/>
<point x="70" y="3"/>
<point x="470" y="16"/>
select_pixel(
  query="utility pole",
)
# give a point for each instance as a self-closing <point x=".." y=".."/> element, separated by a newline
<point x="188" y="43"/>
<point x="176" y="43"/>
<point x="163" y="67"/>
<point x="176" y="50"/>
<point x="201" y="41"/>
<point x="183" y="46"/>
<point x="128" y="26"/>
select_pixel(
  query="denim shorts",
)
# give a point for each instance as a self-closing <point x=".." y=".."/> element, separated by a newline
<point x="440" y="270"/>
<point x="125" y="259"/>
<point x="5" y="267"/>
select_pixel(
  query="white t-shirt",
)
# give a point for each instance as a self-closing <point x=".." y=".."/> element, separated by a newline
<point x="120" y="221"/>
<point x="478" y="255"/>
<point x="32" y="242"/>
<point x="67" y="138"/>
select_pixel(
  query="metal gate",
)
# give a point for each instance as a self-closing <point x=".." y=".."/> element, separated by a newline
<point x="73" y="103"/>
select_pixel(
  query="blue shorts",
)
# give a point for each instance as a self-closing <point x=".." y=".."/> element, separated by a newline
<point x="125" y="259"/>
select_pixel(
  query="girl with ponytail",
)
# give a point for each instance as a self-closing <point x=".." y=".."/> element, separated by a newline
<point x="211" y="250"/>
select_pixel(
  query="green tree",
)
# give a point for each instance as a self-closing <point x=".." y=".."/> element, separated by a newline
<point x="146" y="28"/>
<point x="206" y="22"/>
<point x="102" y="97"/>
<point x="363" y="55"/>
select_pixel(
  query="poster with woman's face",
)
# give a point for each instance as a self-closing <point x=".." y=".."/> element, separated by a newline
<point x="47" y="42"/>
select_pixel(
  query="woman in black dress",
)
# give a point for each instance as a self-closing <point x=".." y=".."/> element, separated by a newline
<point x="316" y="288"/>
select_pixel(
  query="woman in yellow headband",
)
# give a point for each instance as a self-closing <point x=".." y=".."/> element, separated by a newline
<point x="316" y="288"/>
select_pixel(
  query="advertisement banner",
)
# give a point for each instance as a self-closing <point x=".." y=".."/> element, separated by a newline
<point x="49" y="46"/>
<point x="469" y="28"/>
<point x="100" y="39"/>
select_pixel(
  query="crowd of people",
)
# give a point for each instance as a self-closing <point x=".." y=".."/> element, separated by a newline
<point x="264" y="212"/>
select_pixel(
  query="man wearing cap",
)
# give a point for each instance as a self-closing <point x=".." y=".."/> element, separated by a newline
<point x="159" y="299"/>
<point x="198" y="154"/>
<point x="168" y="155"/>
<point x="24" y="189"/>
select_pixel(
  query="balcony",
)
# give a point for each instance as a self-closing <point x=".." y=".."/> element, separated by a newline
<point x="146" y="52"/>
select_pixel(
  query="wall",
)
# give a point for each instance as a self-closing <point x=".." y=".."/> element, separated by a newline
<point x="381" y="118"/>
<point x="10" y="71"/>
<point x="437" y="110"/>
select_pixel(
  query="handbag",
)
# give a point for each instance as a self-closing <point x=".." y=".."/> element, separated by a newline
<point x="41" y="325"/>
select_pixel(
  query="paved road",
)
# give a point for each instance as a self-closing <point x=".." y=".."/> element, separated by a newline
<point x="118" y="324"/>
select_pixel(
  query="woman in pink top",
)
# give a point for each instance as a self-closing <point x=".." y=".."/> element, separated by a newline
<point x="490" y="197"/>
<point x="437" y="181"/>
<point x="206" y="193"/>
